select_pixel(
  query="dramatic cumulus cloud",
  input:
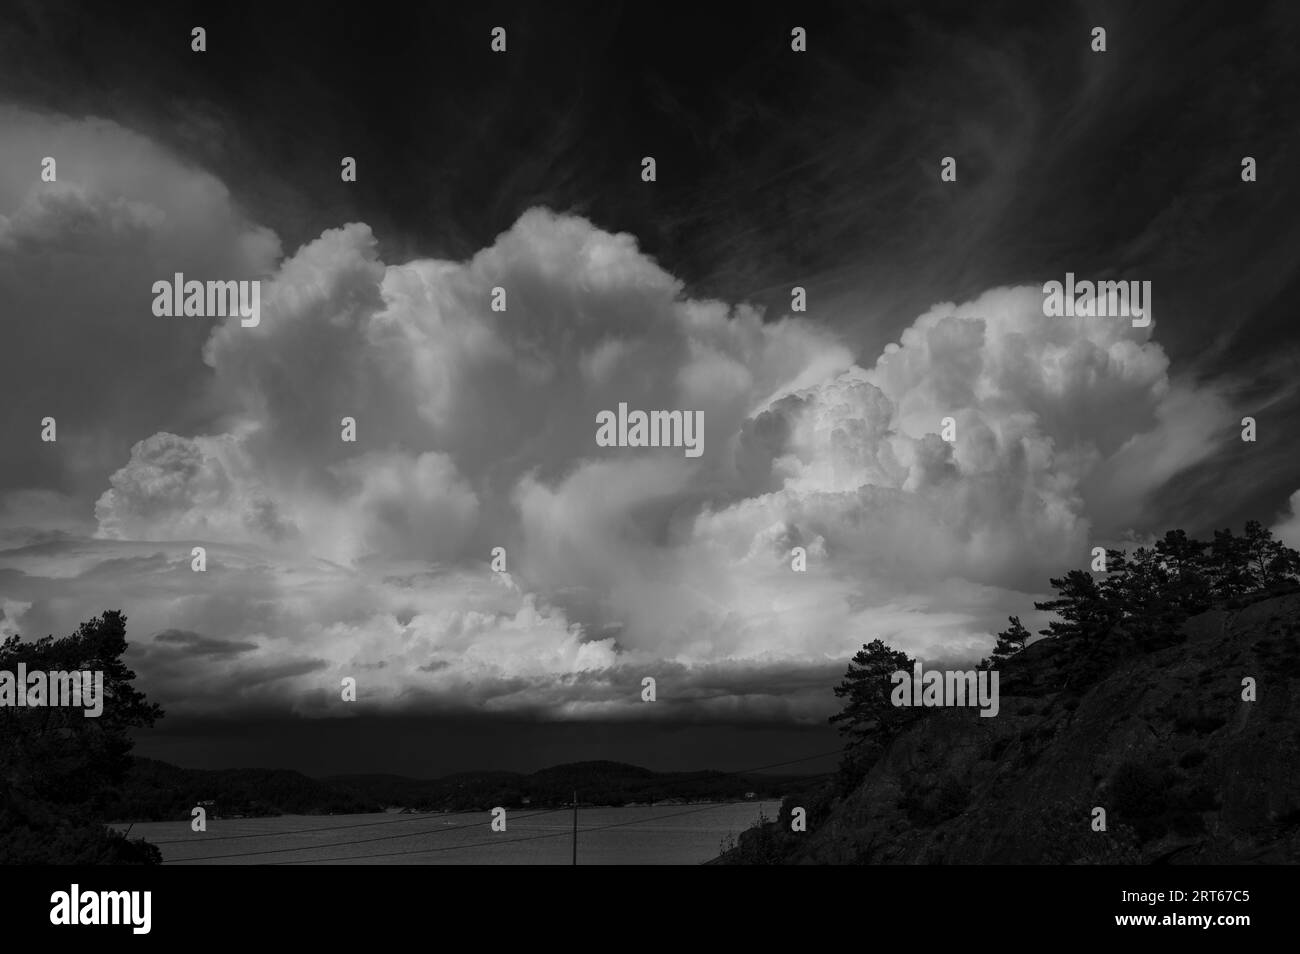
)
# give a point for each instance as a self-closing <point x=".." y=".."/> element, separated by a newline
<point x="1287" y="529"/>
<point x="78" y="259"/>
<point x="475" y="428"/>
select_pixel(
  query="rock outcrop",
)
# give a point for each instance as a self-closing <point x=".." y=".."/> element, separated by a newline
<point x="1188" y="771"/>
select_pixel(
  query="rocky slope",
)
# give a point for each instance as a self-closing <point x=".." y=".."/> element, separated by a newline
<point x="1187" y="771"/>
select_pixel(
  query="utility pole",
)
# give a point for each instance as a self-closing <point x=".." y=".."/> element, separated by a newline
<point x="575" y="826"/>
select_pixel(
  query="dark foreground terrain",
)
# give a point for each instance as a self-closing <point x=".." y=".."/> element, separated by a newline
<point x="1188" y="771"/>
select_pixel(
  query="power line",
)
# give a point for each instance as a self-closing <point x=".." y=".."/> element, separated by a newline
<point x="363" y="841"/>
<point x="497" y="842"/>
<point x="342" y="844"/>
<point x="416" y="851"/>
<point x="301" y="831"/>
<point x="480" y="844"/>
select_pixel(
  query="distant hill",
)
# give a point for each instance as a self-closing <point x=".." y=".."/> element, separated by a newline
<point x="1187" y="770"/>
<point x="157" y="791"/>
<point x="597" y="783"/>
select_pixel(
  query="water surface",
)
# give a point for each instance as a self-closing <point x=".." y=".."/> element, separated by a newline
<point x="658" y="835"/>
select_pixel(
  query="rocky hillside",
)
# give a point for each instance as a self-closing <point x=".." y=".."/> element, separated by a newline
<point x="1187" y="771"/>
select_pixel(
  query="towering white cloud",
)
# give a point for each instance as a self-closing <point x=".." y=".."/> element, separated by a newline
<point x="476" y="428"/>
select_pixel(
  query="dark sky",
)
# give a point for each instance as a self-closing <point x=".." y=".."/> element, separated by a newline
<point x="774" y="169"/>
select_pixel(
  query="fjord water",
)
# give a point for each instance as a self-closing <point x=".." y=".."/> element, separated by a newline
<point x="645" y="835"/>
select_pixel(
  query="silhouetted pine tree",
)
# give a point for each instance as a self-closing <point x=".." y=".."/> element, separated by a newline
<point x="59" y="769"/>
<point x="869" y="718"/>
<point x="1009" y="642"/>
<point x="1229" y="573"/>
<point x="1267" y="560"/>
<point x="1142" y="601"/>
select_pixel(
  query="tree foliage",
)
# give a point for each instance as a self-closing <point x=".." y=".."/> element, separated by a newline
<point x="868" y="718"/>
<point x="1009" y="642"/>
<point x="59" y="768"/>
<point x="868" y="713"/>
<point x="1140" y="603"/>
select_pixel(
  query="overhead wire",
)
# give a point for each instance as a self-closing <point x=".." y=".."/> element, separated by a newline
<point x="450" y="828"/>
